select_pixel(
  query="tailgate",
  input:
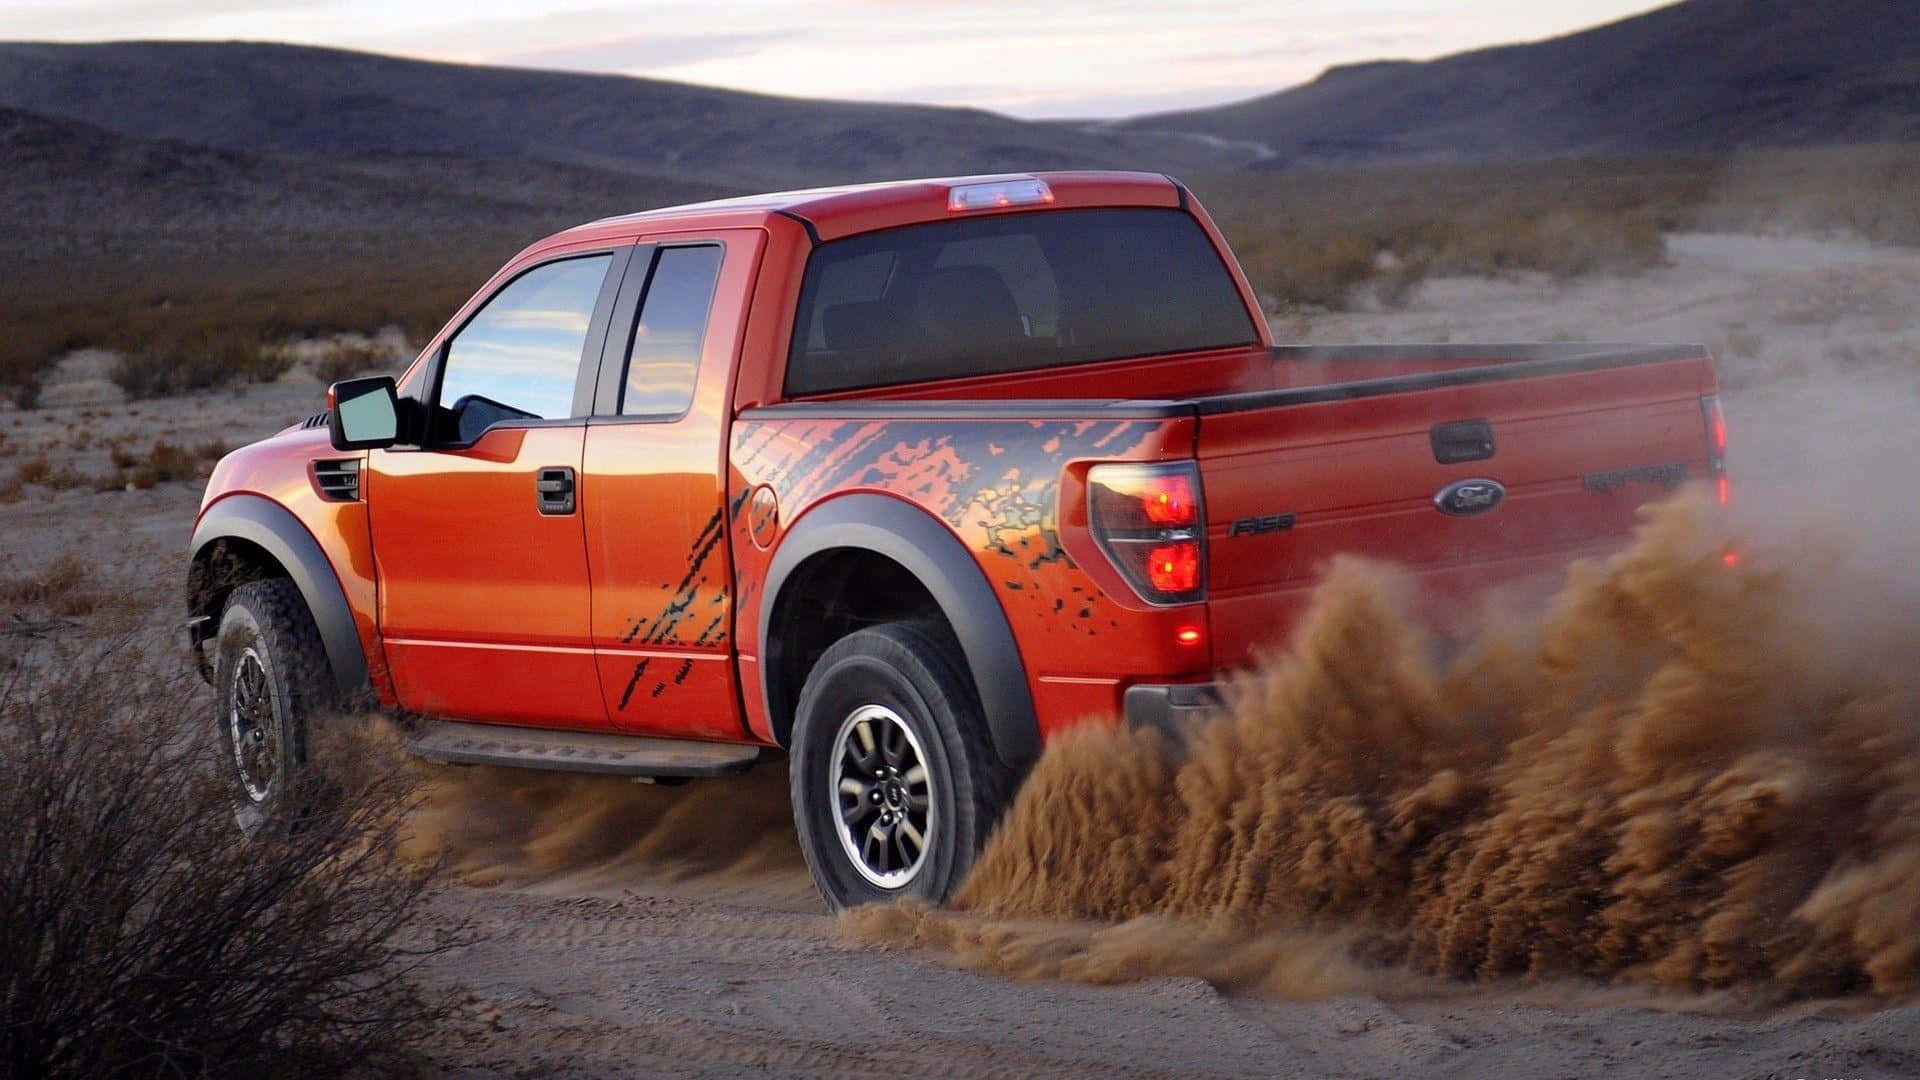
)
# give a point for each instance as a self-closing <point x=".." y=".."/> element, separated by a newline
<point x="1471" y="471"/>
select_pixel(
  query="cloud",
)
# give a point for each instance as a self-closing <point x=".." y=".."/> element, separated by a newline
<point x="1356" y="44"/>
<point x="646" y="52"/>
<point x="1090" y="105"/>
<point x="151" y="18"/>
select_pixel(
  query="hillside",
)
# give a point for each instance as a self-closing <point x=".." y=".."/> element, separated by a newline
<point x="69" y="184"/>
<point x="309" y="101"/>
<point x="178" y="248"/>
<point x="1706" y="75"/>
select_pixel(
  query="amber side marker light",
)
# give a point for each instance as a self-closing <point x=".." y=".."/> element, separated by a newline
<point x="998" y="194"/>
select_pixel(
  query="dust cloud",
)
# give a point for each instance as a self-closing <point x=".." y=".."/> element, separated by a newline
<point x="1680" y="773"/>
<point x="577" y="833"/>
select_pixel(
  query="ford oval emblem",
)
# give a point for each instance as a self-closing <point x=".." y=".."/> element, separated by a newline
<point x="1475" y="496"/>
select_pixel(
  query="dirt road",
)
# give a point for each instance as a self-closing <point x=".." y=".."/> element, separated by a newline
<point x="605" y="964"/>
<point x="638" y="930"/>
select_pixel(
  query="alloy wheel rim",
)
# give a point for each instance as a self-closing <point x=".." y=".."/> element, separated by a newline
<point x="882" y="793"/>
<point x="251" y="727"/>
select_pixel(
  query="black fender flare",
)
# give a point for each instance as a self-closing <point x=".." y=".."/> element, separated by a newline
<point x="274" y="529"/>
<point x="928" y="550"/>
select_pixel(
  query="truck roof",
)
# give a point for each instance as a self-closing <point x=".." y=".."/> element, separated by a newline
<point x="833" y="212"/>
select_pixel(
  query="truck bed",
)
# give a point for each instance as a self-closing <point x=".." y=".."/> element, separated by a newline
<point x="1325" y="450"/>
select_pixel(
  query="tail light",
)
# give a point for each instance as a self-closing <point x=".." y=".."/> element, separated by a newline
<point x="1147" y="520"/>
<point x="1716" y="421"/>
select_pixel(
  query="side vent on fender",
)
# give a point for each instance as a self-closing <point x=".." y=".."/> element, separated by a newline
<point x="337" y="479"/>
<point x="314" y="421"/>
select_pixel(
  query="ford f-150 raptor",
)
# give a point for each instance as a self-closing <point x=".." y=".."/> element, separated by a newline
<point x="899" y="480"/>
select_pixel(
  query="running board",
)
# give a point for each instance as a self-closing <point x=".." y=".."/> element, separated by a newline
<point x="448" y="742"/>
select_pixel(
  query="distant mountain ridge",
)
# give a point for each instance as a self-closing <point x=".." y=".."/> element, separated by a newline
<point x="1703" y="75"/>
<point x="1700" y="76"/>
<point x="298" y="100"/>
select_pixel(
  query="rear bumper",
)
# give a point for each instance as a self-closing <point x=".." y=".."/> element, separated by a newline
<point x="1171" y="708"/>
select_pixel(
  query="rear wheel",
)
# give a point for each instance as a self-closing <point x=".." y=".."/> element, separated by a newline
<point x="894" y="783"/>
<point x="270" y="670"/>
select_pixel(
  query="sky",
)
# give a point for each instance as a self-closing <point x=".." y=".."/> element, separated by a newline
<point x="1068" y="58"/>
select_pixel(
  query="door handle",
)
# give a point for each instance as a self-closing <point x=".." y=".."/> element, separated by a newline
<point x="553" y="488"/>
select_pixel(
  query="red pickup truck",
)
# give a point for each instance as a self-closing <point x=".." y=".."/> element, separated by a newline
<point x="899" y="480"/>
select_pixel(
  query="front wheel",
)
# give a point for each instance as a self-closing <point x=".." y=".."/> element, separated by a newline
<point x="269" y="670"/>
<point x="895" y="785"/>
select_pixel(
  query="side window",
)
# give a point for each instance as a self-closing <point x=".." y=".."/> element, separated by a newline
<point x="518" y="358"/>
<point x="664" y="356"/>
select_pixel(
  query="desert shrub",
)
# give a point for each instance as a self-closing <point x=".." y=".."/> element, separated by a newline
<point x="141" y="933"/>
<point x="1310" y="237"/>
<point x="42" y="470"/>
<point x="23" y="389"/>
<point x="1871" y="192"/>
<point x="61" y="588"/>
<point x="1571" y="244"/>
<point x="65" y="478"/>
<point x="1322" y="268"/>
<point x="198" y="361"/>
<point x="34" y="341"/>
<point x="164" y="462"/>
<point x="1566" y="217"/>
<point x="345" y="359"/>
<point x="202" y="322"/>
<point x="35" y="469"/>
<point x="1333" y="238"/>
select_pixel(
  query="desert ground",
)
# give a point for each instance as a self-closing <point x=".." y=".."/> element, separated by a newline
<point x="627" y="929"/>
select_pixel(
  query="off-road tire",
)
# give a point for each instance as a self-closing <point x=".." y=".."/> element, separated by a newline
<point x="268" y="656"/>
<point x="914" y="673"/>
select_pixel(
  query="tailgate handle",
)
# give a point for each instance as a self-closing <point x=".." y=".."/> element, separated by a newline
<point x="1462" y="440"/>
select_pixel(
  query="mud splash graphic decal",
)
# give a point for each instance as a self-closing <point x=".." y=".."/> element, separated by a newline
<point x="1682" y="773"/>
<point x="693" y="615"/>
<point x="995" y="482"/>
<point x="663" y="627"/>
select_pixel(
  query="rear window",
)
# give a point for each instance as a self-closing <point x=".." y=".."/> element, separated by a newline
<point x="1015" y="292"/>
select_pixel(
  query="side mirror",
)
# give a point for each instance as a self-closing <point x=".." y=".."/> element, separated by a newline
<point x="363" y="414"/>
